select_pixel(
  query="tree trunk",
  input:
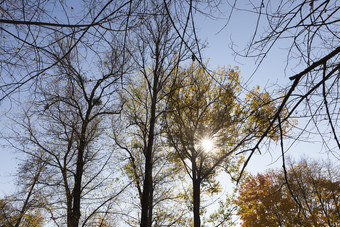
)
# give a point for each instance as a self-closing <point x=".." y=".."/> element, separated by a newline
<point x="147" y="197"/>
<point x="147" y="194"/>
<point x="197" y="201"/>
<point x="75" y="216"/>
<point x="73" y="220"/>
<point x="196" y="184"/>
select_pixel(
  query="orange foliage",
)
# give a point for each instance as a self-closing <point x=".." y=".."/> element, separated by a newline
<point x="265" y="199"/>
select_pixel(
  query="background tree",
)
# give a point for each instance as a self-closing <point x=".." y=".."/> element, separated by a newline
<point x="24" y="207"/>
<point x="311" y="197"/>
<point x="224" y="215"/>
<point x="28" y="200"/>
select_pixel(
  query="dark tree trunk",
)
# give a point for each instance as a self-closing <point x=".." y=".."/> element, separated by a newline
<point x="74" y="216"/>
<point x="196" y="184"/>
<point x="147" y="194"/>
<point x="77" y="193"/>
<point x="147" y="197"/>
<point x="197" y="201"/>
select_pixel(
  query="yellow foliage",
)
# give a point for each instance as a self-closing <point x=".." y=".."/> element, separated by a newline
<point x="262" y="108"/>
<point x="204" y="105"/>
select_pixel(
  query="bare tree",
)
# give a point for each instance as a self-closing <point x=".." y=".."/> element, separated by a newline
<point x="31" y="29"/>
<point x="312" y="30"/>
<point x="64" y="128"/>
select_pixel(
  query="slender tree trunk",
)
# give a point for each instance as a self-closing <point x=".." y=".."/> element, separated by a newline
<point x="197" y="201"/>
<point x="69" y="198"/>
<point x="196" y="184"/>
<point x="147" y="193"/>
<point x="73" y="220"/>
<point x="147" y="197"/>
<point x="24" y="207"/>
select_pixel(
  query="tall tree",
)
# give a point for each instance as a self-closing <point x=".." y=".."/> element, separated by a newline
<point x="131" y="136"/>
<point x="157" y="51"/>
<point x="310" y="198"/>
<point x="206" y="124"/>
<point x="64" y="129"/>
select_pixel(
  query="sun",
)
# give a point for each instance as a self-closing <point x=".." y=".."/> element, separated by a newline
<point x="207" y="144"/>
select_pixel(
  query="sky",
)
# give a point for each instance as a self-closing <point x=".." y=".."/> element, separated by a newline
<point x="271" y="72"/>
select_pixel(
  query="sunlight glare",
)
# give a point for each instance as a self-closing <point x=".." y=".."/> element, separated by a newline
<point x="207" y="144"/>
